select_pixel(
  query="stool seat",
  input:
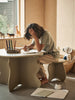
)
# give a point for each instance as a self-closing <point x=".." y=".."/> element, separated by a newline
<point x="59" y="60"/>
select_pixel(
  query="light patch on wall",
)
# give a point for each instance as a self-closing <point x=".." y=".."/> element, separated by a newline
<point x="22" y="17"/>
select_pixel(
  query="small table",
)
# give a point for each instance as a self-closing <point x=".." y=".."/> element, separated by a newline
<point x="19" y="69"/>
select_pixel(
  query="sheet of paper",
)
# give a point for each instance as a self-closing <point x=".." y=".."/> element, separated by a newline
<point x="44" y="93"/>
<point x="60" y="94"/>
<point x="32" y="51"/>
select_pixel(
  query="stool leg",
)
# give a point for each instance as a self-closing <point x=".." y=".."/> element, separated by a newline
<point x="51" y="71"/>
<point x="59" y="71"/>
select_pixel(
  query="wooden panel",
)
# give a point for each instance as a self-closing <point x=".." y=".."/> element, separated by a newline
<point x="50" y="17"/>
<point x="34" y="12"/>
<point x="0" y="44"/>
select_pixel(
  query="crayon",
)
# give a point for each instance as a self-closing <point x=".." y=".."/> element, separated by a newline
<point x="11" y="45"/>
<point x="7" y="44"/>
<point x="14" y="44"/>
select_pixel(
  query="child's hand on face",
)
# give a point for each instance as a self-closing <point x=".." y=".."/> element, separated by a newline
<point x="31" y="31"/>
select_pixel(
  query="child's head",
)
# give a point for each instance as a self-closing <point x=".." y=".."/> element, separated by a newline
<point x="37" y="28"/>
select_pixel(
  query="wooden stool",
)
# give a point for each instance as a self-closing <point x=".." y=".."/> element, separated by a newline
<point x="56" y="70"/>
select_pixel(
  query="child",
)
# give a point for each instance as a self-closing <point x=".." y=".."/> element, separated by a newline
<point x="43" y="41"/>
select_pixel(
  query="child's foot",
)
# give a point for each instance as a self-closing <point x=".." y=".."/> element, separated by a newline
<point x="44" y="81"/>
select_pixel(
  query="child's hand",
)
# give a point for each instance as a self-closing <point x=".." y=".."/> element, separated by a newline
<point x="31" y="31"/>
<point x="26" y="48"/>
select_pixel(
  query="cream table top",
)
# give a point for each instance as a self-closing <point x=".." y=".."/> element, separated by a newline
<point x="3" y="53"/>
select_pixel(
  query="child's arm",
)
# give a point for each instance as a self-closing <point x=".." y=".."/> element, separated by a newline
<point x="39" y="46"/>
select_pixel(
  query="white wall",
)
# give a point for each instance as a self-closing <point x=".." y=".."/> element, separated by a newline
<point x="65" y="23"/>
<point x="73" y="40"/>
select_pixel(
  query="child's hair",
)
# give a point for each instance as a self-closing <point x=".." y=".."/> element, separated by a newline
<point x="37" y="28"/>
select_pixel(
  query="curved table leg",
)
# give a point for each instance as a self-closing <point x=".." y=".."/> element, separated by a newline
<point x="13" y="80"/>
<point x="29" y="68"/>
<point x="24" y="71"/>
<point x="4" y="70"/>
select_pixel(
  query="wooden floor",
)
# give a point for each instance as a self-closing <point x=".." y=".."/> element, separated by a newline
<point x="24" y="94"/>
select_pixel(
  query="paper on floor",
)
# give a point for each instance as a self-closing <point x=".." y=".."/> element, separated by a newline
<point x="50" y="93"/>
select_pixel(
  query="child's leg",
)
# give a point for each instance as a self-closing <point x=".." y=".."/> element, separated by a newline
<point x="45" y="59"/>
<point x="42" y="75"/>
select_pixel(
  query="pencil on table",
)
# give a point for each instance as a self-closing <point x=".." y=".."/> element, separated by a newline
<point x="11" y="45"/>
<point x="7" y="44"/>
<point x="14" y="44"/>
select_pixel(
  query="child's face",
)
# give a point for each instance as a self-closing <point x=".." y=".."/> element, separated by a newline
<point x="31" y="31"/>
